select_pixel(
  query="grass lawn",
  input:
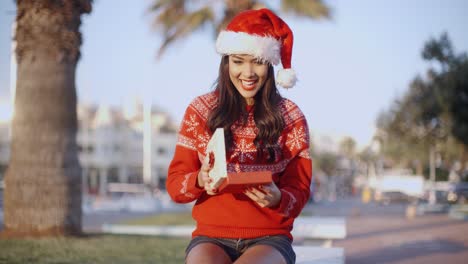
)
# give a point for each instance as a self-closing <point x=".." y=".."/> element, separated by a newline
<point x="94" y="249"/>
<point x="102" y="248"/>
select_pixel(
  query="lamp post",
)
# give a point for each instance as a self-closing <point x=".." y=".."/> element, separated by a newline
<point x="147" y="144"/>
<point x="432" y="175"/>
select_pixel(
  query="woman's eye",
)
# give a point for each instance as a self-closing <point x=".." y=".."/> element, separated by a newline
<point x="237" y="61"/>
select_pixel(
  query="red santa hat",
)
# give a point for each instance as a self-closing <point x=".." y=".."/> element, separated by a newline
<point x="262" y="34"/>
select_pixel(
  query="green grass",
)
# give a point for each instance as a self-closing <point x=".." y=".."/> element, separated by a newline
<point x="462" y="208"/>
<point x="94" y="249"/>
<point x="183" y="218"/>
<point x="98" y="249"/>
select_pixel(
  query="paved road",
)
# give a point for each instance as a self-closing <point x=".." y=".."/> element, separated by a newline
<point x="382" y="234"/>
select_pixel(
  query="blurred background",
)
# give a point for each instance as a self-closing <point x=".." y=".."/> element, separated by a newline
<point x="365" y="85"/>
<point x="383" y="85"/>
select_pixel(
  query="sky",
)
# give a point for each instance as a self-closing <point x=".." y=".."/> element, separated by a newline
<point x="350" y="68"/>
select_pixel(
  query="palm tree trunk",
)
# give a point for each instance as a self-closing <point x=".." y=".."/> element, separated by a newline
<point x="43" y="181"/>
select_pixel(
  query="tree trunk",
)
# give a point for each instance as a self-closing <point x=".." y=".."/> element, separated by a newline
<point x="464" y="158"/>
<point x="43" y="181"/>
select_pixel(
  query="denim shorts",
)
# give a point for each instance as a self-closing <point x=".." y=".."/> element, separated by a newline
<point x="235" y="247"/>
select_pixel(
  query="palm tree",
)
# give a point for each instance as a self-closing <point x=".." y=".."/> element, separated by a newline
<point x="177" y="19"/>
<point x="348" y="147"/>
<point x="43" y="180"/>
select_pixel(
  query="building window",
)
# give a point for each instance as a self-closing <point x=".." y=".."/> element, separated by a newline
<point x="113" y="175"/>
<point x="135" y="175"/>
<point x="85" y="149"/>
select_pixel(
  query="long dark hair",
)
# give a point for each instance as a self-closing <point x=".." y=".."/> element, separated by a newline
<point x="232" y="108"/>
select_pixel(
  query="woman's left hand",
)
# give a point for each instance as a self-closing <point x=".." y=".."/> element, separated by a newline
<point x="265" y="195"/>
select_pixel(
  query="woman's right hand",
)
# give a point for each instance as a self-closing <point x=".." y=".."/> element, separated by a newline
<point x="203" y="177"/>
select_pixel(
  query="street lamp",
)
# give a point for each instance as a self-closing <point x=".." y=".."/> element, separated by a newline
<point x="147" y="142"/>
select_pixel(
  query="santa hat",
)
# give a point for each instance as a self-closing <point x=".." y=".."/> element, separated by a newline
<point x="262" y="34"/>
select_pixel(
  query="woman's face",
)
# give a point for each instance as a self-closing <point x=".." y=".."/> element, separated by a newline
<point x="248" y="75"/>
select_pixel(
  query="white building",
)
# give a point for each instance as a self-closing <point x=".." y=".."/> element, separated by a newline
<point x="111" y="148"/>
<point x="110" y="145"/>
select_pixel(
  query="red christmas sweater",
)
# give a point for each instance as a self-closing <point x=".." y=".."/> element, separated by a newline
<point x="230" y="215"/>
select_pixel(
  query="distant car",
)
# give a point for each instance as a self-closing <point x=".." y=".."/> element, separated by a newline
<point x="458" y="193"/>
<point x="389" y="197"/>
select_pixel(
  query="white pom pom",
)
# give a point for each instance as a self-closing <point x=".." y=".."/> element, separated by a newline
<point x="286" y="78"/>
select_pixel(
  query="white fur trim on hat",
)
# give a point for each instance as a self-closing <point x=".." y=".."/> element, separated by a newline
<point x="286" y="78"/>
<point x="262" y="47"/>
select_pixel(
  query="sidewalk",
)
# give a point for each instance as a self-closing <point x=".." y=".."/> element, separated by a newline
<point x="382" y="234"/>
<point x="425" y="239"/>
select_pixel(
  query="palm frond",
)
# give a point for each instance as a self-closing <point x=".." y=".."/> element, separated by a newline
<point x="180" y="24"/>
<point x="232" y="8"/>
<point x="177" y="19"/>
<point x="315" y="9"/>
<point x="163" y="4"/>
<point x="167" y="13"/>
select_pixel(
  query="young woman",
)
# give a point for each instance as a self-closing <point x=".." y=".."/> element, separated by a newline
<point x="263" y="131"/>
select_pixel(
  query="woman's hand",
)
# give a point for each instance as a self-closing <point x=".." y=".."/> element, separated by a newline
<point x="265" y="195"/>
<point x="203" y="176"/>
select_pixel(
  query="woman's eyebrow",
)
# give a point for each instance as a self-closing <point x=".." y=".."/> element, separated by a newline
<point x="237" y="57"/>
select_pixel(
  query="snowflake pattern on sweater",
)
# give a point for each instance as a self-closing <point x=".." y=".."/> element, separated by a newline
<point x="292" y="173"/>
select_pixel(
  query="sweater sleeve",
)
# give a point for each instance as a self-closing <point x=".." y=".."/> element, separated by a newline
<point x="295" y="187"/>
<point x="183" y="170"/>
<point x="295" y="180"/>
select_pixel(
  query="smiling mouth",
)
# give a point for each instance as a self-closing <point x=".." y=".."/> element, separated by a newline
<point x="249" y="85"/>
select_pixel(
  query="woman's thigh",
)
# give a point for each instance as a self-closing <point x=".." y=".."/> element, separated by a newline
<point x="207" y="253"/>
<point x="261" y="254"/>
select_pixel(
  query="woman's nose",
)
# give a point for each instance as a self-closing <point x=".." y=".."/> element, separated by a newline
<point x="248" y="70"/>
